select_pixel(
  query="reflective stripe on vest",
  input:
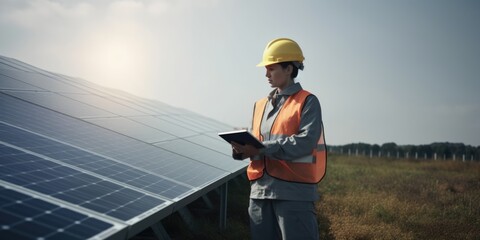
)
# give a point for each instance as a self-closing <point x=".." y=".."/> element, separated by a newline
<point x="307" y="169"/>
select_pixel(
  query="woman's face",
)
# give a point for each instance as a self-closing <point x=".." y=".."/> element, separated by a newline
<point x="277" y="76"/>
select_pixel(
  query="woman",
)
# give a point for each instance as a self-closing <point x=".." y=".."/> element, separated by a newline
<point x="284" y="174"/>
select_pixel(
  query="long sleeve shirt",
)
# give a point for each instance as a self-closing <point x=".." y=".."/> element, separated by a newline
<point x="292" y="147"/>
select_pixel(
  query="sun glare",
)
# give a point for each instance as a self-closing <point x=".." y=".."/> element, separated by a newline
<point x="118" y="62"/>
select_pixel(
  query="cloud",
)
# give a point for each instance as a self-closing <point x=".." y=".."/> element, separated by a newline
<point x="41" y="13"/>
<point x="126" y="9"/>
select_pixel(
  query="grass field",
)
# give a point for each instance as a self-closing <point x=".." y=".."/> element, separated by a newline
<point x="365" y="198"/>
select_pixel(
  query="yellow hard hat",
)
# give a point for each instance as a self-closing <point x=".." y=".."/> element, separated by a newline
<point x="281" y="50"/>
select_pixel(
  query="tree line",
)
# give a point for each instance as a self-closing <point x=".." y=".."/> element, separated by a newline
<point x="437" y="150"/>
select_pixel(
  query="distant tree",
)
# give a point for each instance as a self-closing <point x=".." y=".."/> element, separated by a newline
<point x="410" y="149"/>
<point x="425" y="150"/>
<point x="375" y="149"/>
<point x="442" y="149"/>
<point x="389" y="147"/>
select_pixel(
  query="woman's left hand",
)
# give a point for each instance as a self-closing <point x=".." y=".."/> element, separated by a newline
<point x="246" y="150"/>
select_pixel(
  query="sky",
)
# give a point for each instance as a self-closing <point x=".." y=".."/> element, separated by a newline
<point x="384" y="71"/>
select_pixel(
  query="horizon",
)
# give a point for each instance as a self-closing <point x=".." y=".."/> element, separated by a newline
<point x="395" y="71"/>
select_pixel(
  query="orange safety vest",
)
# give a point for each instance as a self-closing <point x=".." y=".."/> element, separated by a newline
<point x="308" y="169"/>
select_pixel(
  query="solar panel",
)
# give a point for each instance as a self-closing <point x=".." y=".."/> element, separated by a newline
<point x="166" y="125"/>
<point x="41" y="81"/>
<point x="62" y="104"/>
<point x="6" y="64"/>
<point x="196" y="151"/>
<point x="108" y="161"/>
<point x="211" y="141"/>
<point x="134" y="129"/>
<point x="9" y="83"/>
<point x="73" y="186"/>
<point x="24" y="216"/>
<point x="116" y="106"/>
<point x="94" y="163"/>
<point x="95" y="139"/>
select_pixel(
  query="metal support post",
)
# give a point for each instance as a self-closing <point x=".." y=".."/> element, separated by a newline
<point x="188" y="218"/>
<point x="207" y="202"/>
<point x="223" y="206"/>
<point x="160" y="231"/>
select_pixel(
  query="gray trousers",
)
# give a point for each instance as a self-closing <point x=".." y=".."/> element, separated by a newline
<point x="281" y="219"/>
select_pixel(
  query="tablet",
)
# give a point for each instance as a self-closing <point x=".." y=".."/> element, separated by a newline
<point x="242" y="137"/>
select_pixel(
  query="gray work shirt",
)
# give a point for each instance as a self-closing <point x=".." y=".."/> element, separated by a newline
<point x="290" y="148"/>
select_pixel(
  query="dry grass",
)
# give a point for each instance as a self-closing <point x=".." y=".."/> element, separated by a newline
<point x="366" y="198"/>
<point x="398" y="199"/>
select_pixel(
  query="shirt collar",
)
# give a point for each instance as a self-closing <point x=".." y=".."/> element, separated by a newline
<point x="290" y="90"/>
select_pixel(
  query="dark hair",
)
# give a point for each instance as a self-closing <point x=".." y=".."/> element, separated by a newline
<point x="294" y="71"/>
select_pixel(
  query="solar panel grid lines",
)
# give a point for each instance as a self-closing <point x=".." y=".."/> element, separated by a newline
<point x="83" y="98"/>
<point x="211" y="124"/>
<point x="187" y="120"/>
<point x="43" y="82"/>
<point x="103" y="141"/>
<point x="94" y="163"/>
<point x="133" y="129"/>
<point x="28" y="68"/>
<point x="204" y="141"/>
<point x="110" y="104"/>
<point x="25" y="214"/>
<point x="156" y="107"/>
<point x="8" y="66"/>
<point x="29" y="170"/>
<point x="103" y="152"/>
<point x="189" y="174"/>
<point x="142" y="106"/>
<point x="196" y="151"/>
<point x="120" y="97"/>
<point x="61" y="104"/>
<point x="212" y="141"/>
<point x="94" y="99"/>
<point x="154" y="121"/>
<point x="14" y="63"/>
<point x="9" y="83"/>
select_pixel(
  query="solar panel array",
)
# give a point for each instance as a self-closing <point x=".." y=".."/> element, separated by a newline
<point x="78" y="160"/>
